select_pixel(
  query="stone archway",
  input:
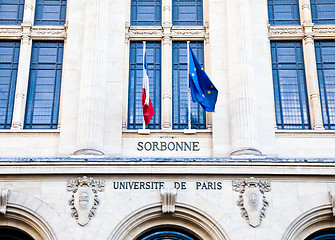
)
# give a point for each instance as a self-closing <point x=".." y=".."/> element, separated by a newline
<point x="33" y="216"/>
<point x="309" y="222"/>
<point x="185" y="217"/>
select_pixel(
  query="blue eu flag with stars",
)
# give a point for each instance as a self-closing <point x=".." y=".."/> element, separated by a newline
<point x="203" y="90"/>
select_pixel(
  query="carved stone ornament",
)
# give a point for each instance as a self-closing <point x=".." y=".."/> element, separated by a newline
<point x="252" y="201"/>
<point x="84" y="200"/>
<point x="168" y="200"/>
<point x="320" y="30"/>
<point x="332" y="200"/>
<point x="4" y="193"/>
<point x="285" y="31"/>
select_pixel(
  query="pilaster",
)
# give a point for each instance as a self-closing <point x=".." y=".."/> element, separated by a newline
<point x="241" y="80"/>
<point x="93" y="78"/>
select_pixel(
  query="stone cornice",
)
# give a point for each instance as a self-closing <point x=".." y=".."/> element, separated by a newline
<point x="157" y="33"/>
<point x="298" y="32"/>
<point x="35" y="32"/>
<point x="41" y="32"/>
<point x="271" y="167"/>
<point x="285" y="32"/>
<point x="145" y="32"/>
<point x="188" y="32"/>
<point x="324" y="31"/>
<point x="10" y="32"/>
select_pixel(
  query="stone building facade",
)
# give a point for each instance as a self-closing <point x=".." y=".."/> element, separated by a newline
<point x="76" y="162"/>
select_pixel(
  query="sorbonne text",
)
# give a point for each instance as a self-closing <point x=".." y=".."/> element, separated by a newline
<point x="168" y="146"/>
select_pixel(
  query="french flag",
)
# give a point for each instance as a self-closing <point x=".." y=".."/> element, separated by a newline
<point x="148" y="109"/>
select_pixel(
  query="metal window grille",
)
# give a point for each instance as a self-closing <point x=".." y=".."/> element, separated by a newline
<point x="146" y="12"/>
<point x="323" y="11"/>
<point x="11" y="12"/>
<point x="187" y="12"/>
<point x="135" y="110"/>
<point x="325" y="60"/>
<point x="50" y="12"/>
<point x="9" y="57"/>
<point x="180" y="87"/>
<point x="289" y="84"/>
<point x="283" y="12"/>
<point x="44" y="85"/>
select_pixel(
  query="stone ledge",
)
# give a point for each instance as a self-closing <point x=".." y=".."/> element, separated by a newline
<point x="198" y="166"/>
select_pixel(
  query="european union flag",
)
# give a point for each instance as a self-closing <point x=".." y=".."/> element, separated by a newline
<point x="203" y="90"/>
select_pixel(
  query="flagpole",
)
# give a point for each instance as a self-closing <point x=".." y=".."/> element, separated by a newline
<point x="188" y="84"/>
<point x="144" y="45"/>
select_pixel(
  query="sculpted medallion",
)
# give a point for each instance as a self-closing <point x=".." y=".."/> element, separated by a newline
<point x="84" y="199"/>
<point x="252" y="200"/>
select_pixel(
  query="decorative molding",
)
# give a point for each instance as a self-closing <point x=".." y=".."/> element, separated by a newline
<point x="332" y="200"/>
<point x="324" y="31"/>
<point x="4" y="194"/>
<point x="305" y="6"/>
<point x="84" y="200"/>
<point x="145" y="32"/>
<point x="252" y="201"/>
<point x="39" y="32"/>
<point x="10" y="32"/>
<point x="285" y="31"/>
<point x="188" y="32"/>
<point x="168" y="200"/>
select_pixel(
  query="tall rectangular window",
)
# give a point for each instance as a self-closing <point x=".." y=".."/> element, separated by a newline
<point x="50" y="12"/>
<point x="44" y="85"/>
<point x="323" y="11"/>
<point x="135" y="111"/>
<point x="325" y="59"/>
<point x="11" y="12"/>
<point x="9" y="57"/>
<point x="187" y="12"/>
<point x="146" y="12"/>
<point x="289" y="84"/>
<point x="282" y="12"/>
<point x="180" y="87"/>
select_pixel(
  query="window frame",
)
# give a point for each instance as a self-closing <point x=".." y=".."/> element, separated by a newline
<point x="299" y="67"/>
<point x="35" y="66"/>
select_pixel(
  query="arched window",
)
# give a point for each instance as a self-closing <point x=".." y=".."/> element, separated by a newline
<point x="167" y="235"/>
<point x="327" y="234"/>
<point x="13" y="234"/>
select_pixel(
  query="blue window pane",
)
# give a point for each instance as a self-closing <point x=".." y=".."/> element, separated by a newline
<point x="283" y="12"/>
<point x="323" y="11"/>
<point x="146" y="12"/>
<point x="9" y="57"/>
<point x="289" y="84"/>
<point x="180" y="87"/>
<point x="325" y="59"/>
<point x="187" y="12"/>
<point x="135" y="110"/>
<point x="11" y="12"/>
<point x="44" y="85"/>
<point x="325" y="237"/>
<point x="166" y="235"/>
<point x="50" y="12"/>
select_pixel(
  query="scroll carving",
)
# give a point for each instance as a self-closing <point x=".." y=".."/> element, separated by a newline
<point x="84" y="200"/>
<point x="252" y="200"/>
